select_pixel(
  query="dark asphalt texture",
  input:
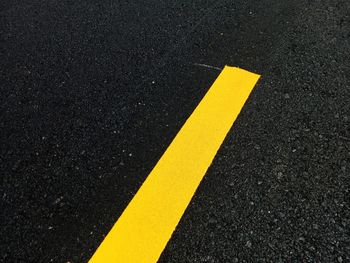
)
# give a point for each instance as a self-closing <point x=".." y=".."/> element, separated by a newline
<point x="92" y="93"/>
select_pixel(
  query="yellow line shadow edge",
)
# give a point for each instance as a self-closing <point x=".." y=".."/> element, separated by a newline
<point x="146" y="225"/>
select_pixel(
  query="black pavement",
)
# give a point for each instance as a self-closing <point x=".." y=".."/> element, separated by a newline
<point x="92" y="93"/>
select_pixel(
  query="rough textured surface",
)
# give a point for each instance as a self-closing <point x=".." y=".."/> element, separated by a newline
<point x="92" y="92"/>
<point x="279" y="188"/>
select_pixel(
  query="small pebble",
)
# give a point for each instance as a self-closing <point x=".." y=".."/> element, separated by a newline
<point x="16" y="165"/>
<point x="248" y="244"/>
<point x="212" y="221"/>
<point x="279" y="175"/>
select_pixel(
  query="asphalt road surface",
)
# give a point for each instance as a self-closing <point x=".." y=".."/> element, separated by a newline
<point x="93" y="92"/>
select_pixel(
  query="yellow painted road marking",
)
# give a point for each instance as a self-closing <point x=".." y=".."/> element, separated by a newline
<point x="143" y="230"/>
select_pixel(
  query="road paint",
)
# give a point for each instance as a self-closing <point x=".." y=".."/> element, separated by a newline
<point x="146" y="225"/>
<point x="207" y="66"/>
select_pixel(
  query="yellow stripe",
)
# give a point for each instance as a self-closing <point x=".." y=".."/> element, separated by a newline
<point x="143" y="230"/>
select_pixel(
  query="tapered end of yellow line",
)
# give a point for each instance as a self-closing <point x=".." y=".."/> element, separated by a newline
<point x="243" y="70"/>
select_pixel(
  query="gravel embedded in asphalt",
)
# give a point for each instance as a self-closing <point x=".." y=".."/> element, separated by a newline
<point x="92" y="93"/>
